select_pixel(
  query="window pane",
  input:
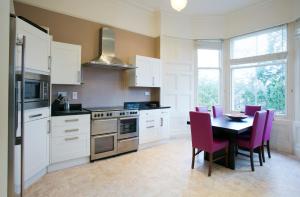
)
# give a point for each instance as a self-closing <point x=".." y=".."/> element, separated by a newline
<point x="261" y="85"/>
<point x="208" y="87"/>
<point x="208" y="58"/>
<point x="260" y="43"/>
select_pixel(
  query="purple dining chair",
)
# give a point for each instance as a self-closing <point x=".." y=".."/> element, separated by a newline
<point x="201" y="109"/>
<point x="267" y="133"/>
<point x="251" y="109"/>
<point x="217" y="111"/>
<point x="202" y="138"/>
<point x="256" y="137"/>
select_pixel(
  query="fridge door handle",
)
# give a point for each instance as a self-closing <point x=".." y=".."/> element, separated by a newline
<point x="21" y="42"/>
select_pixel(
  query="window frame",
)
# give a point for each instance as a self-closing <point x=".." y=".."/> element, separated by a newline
<point x="234" y="64"/>
<point x="219" y="68"/>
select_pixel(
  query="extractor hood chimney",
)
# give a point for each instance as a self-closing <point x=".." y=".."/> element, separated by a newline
<point x="107" y="58"/>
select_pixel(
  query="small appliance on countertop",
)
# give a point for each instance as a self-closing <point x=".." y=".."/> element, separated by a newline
<point x="62" y="107"/>
<point x="144" y="105"/>
<point x="114" y="130"/>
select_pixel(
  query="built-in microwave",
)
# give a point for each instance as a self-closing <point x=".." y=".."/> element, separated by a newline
<point x="36" y="90"/>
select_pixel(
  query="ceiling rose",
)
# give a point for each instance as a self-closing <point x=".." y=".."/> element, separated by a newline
<point x="178" y="5"/>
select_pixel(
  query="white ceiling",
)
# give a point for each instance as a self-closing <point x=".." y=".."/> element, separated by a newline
<point x="197" y="7"/>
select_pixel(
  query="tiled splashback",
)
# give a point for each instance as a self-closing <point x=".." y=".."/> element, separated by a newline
<point x="104" y="87"/>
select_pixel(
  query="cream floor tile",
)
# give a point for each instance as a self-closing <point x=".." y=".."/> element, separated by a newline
<point x="164" y="170"/>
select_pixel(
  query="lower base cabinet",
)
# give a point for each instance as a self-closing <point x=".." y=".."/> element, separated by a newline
<point x="153" y="125"/>
<point x="70" y="138"/>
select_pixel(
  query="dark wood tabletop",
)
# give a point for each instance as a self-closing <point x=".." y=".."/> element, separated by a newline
<point x="228" y="125"/>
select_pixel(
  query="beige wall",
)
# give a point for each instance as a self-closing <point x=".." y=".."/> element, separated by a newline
<point x="4" y="49"/>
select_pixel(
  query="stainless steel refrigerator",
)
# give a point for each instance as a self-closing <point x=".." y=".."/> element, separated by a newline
<point x="16" y="113"/>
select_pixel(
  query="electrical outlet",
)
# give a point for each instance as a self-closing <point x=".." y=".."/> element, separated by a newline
<point x="64" y="94"/>
<point x="75" y="95"/>
<point x="147" y="93"/>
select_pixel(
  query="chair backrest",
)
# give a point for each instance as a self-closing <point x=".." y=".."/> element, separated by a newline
<point x="201" y="109"/>
<point x="202" y="135"/>
<point x="251" y="109"/>
<point x="258" y="129"/>
<point x="268" y="124"/>
<point x="217" y="111"/>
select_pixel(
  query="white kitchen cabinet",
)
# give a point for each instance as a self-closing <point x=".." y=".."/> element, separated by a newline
<point x="70" y="137"/>
<point x="36" y="147"/>
<point x="147" y="73"/>
<point x="66" y="63"/>
<point x="153" y="125"/>
<point x="37" y="48"/>
<point x="164" y="123"/>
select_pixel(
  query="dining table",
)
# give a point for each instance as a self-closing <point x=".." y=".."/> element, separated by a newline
<point x="227" y="128"/>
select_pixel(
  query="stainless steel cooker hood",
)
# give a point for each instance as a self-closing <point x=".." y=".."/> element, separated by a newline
<point x="107" y="58"/>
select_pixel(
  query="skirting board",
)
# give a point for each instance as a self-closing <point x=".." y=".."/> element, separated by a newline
<point x="68" y="164"/>
<point x="32" y="180"/>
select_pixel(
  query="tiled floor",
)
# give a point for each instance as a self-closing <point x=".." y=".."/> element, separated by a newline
<point x="164" y="170"/>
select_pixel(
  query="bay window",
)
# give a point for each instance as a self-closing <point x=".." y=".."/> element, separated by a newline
<point x="258" y="66"/>
<point x="209" y="72"/>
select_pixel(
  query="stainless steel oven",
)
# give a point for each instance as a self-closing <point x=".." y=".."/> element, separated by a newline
<point x="113" y="131"/>
<point x="36" y="90"/>
<point x="104" y="146"/>
<point x="128" y="127"/>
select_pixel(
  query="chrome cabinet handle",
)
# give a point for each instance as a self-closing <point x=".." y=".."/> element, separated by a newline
<point x="36" y="115"/>
<point x="71" y="138"/>
<point x="49" y="62"/>
<point x="149" y="127"/>
<point x="49" y="127"/>
<point x="150" y="121"/>
<point x="72" y="120"/>
<point x="161" y="122"/>
<point x="71" y="130"/>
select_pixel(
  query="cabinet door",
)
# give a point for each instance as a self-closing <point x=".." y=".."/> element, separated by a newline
<point x="37" y="48"/>
<point x="156" y="72"/>
<point x="143" y="72"/>
<point x="66" y="63"/>
<point x="164" y="123"/>
<point x="149" y="126"/>
<point x="36" y="147"/>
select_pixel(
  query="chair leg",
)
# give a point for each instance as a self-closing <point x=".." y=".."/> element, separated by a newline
<point x="210" y="163"/>
<point x="263" y="152"/>
<point x="268" y="148"/>
<point x="226" y="156"/>
<point x="236" y="150"/>
<point x="193" y="158"/>
<point x="251" y="159"/>
<point x="260" y="156"/>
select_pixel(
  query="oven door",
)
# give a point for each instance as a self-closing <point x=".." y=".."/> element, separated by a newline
<point x="128" y="127"/>
<point x="103" y="146"/>
<point x="104" y="126"/>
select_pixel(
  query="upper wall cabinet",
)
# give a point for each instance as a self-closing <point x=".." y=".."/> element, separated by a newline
<point x="66" y="63"/>
<point x="147" y="73"/>
<point x="36" y="50"/>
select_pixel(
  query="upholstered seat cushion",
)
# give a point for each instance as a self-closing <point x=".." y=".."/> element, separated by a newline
<point x="219" y="144"/>
<point x="243" y="142"/>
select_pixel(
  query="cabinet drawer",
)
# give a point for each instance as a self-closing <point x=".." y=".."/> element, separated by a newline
<point x="61" y="131"/>
<point x="35" y="114"/>
<point x="69" y="147"/>
<point x="70" y="121"/>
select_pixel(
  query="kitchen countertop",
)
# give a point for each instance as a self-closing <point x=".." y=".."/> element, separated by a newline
<point x="149" y="108"/>
<point x="70" y="112"/>
<point x="75" y="109"/>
